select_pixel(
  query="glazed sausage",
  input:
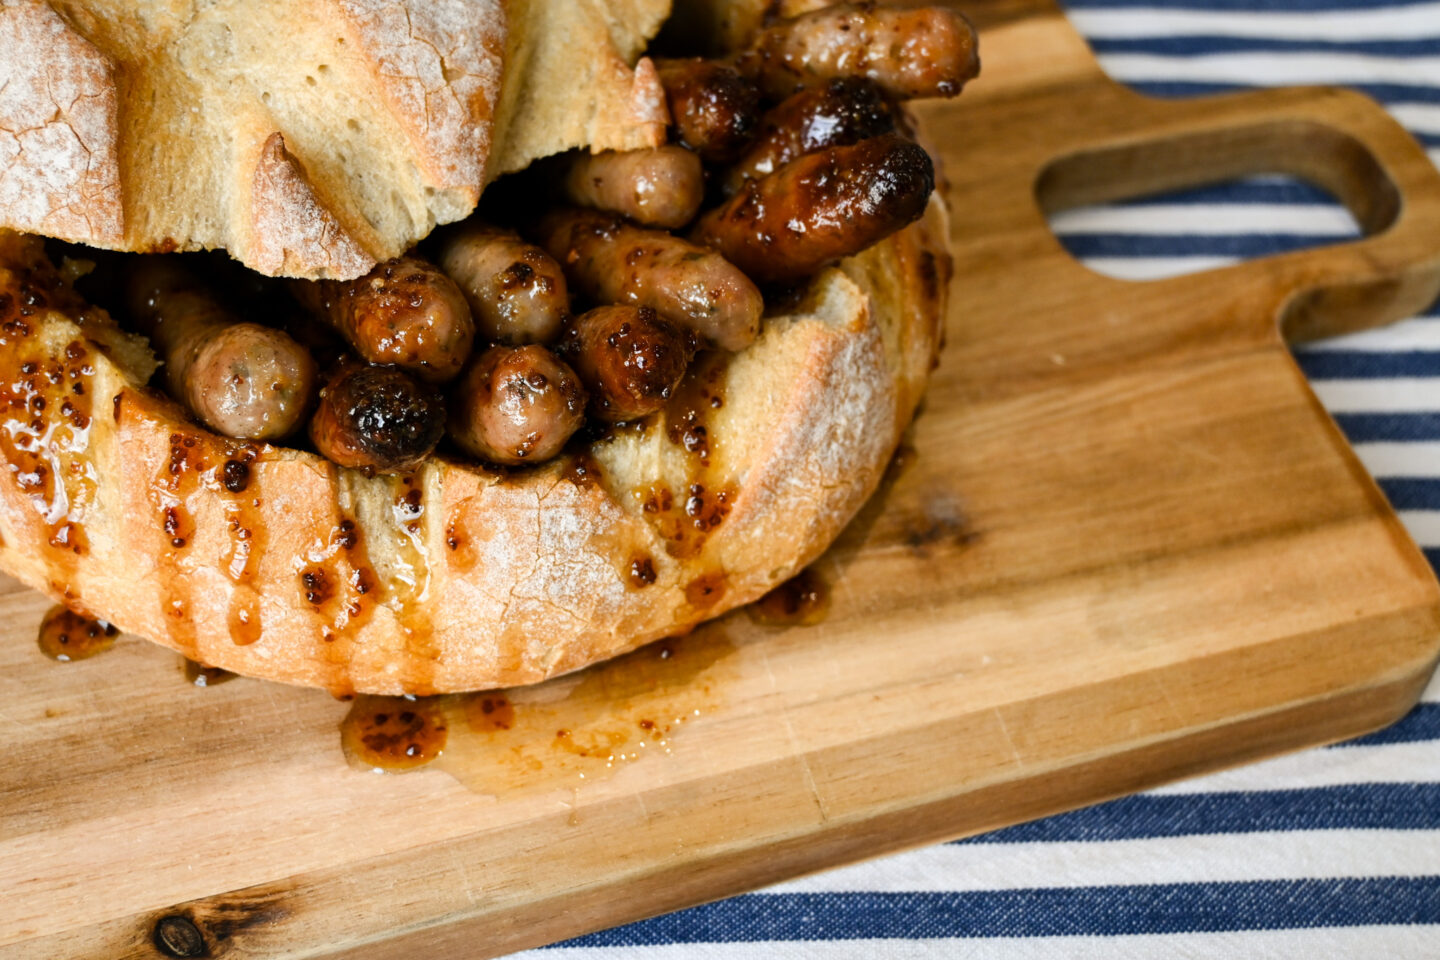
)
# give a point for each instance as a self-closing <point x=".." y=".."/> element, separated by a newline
<point x="921" y="52"/>
<point x="516" y="405"/>
<point x="516" y="291"/>
<point x="658" y="186"/>
<point x="629" y="359"/>
<point x="376" y="418"/>
<point x="838" y="113"/>
<point x="611" y="261"/>
<point x="241" y="379"/>
<point x="824" y="206"/>
<point x="715" y="109"/>
<point x="405" y="312"/>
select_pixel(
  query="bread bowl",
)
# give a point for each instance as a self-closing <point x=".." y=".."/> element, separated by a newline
<point x="273" y="562"/>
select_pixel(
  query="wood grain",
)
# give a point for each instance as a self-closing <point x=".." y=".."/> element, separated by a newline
<point x="1131" y="547"/>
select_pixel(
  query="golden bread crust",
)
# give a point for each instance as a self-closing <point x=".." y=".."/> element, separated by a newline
<point x="276" y="563"/>
<point x="185" y="125"/>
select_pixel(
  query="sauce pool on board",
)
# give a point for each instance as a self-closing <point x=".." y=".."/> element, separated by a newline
<point x="559" y="735"/>
<point x="801" y="601"/>
<point x="200" y="675"/>
<point x="67" y="636"/>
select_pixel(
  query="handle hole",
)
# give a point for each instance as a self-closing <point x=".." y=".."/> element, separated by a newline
<point x="1187" y="231"/>
<point x="1314" y="175"/>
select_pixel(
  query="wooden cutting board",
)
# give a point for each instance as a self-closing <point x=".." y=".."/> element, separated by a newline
<point x="1129" y="547"/>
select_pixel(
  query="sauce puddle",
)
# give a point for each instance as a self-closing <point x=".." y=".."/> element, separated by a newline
<point x="200" y="675"/>
<point x="557" y="736"/>
<point x="67" y="636"/>
<point x="801" y="601"/>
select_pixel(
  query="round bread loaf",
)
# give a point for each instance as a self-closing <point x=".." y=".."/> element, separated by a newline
<point x="276" y="563"/>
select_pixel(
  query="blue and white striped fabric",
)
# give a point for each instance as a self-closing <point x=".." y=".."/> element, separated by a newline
<point x="1332" y="853"/>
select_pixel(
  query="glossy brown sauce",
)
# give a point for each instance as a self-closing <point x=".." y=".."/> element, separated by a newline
<point x="700" y="394"/>
<point x="582" y="469"/>
<point x="200" y="675"/>
<point x="171" y="495"/>
<point x="340" y="586"/>
<point x="67" y="636"/>
<point x="488" y="711"/>
<point x="45" y="418"/>
<point x="706" y="590"/>
<point x="460" y="545"/>
<point x="685" y="521"/>
<point x="641" y="572"/>
<point x="246" y="530"/>
<point x="684" y="518"/>
<point x="394" y="734"/>
<point x="556" y="736"/>
<point x="801" y="601"/>
<point x="410" y="586"/>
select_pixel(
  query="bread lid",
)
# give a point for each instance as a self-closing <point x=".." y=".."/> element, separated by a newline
<point x="310" y="138"/>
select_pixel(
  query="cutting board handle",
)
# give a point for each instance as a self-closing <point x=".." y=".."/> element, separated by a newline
<point x="1335" y="138"/>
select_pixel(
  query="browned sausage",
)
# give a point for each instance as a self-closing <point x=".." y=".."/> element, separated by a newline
<point x="405" y="312"/>
<point x="921" y="52"/>
<point x="516" y="405"/>
<point x="715" y="108"/>
<point x="611" y="261"/>
<point x="241" y="379"/>
<point x="375" y="417"/>
<point x="516" y="291"/>
<point x="629" y="358"/>
<point x="836" y="114"/>
<point x="824" y="206"/>
<point x="657" y="186"/>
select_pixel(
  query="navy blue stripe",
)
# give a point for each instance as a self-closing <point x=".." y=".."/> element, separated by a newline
<point x="1193" y="245"/>
<point x="1190" y="46"/>
<point x="1370" y="365"/>
<point x="1384" y="92"/>
<point x="1412" y="493"/>
<point x="1373" y="806"/>
<point x="1267" y="190"/>
<point x="1433" y="555"/>
<point x="1240" y="6"/>
<point x="1379" y="427"/>
<point x="1420" y="724"/>
<point x="1083" y="911"/>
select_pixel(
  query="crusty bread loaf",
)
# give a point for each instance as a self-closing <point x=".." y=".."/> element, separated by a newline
<point x="309" y="138"/>
<point x="275" y="563"/>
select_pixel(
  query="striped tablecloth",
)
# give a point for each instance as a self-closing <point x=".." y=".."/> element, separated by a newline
<point x="1332" y="853"/>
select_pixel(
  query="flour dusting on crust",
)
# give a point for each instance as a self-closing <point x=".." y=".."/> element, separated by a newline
<point x="58" y="169"/>
<point x="439" y="63"/>
<point x="294" y="234"/>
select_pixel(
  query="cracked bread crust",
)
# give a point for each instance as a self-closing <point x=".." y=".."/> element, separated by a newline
<point x="275" y="563"/>
<point x="165" y="125"/>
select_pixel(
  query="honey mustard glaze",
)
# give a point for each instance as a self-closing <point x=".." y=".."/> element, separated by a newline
<point x="66" y="635"/>
<point x="45" y="419"/>
<point x="343" y="577"/>
<point x="201" y="468"/>
<point x="338" y="584"/>
<point x="557" y="736"/>
<point x="801" y="601"/>
<point x="410" y="582"/>
<point x="686" y="517"/>
<point x="200" y="675"/>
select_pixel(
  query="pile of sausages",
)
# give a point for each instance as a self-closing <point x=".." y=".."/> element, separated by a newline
<point x="793" y="149"/>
